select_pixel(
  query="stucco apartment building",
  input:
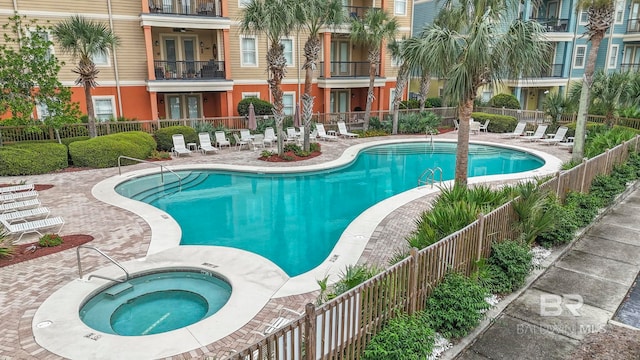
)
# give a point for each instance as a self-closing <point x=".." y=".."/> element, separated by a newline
<point x="188" y="58"/>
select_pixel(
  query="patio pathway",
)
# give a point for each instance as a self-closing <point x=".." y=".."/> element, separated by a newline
<point x="125" y="236"/>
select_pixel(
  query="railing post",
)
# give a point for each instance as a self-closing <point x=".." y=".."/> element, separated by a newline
<point x="584" y="174"/>
<point x="480" y="235"/>
<point x="606" y="164"/>
<point x="413" y="281"/>
<point x="558" y="185"/>
<point x="310" y="331"/>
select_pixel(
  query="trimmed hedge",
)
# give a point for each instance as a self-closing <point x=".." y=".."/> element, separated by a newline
<point x="32" y="159"/>
<point x="164" y="140"/>
<point x="504" y="100"/>
<point x="103" y="151"/>
<point x="498" y="124"/>
<point x="260" y="107"/>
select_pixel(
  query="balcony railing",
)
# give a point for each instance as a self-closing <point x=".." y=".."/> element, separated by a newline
<point x="189" y="70"/>
<point x="554" y="70"/>
<point x="630" y="67"/>
<point x="211" y="8"/>
<point x="554" y="24"/>
<point x="351" y="69"/>
<point x="633" y="25"/>
<point x="355" y="12"/>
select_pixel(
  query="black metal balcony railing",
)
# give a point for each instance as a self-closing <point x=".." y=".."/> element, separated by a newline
<point x="210" y="8"/>
<point x="554" y="70"/>
<point x="633" y="25"/>
<point x="630" y="67"/>
<point x="355" y="12"/>
<point x="350" y="69"/>
<point x="189" y="70"/>
<point x="554" y="24"/>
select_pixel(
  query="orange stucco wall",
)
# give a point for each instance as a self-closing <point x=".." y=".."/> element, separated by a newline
<point x="135" y="100"/>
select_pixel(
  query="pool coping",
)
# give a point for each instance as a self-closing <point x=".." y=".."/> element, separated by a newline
<point x="164" y="249"/>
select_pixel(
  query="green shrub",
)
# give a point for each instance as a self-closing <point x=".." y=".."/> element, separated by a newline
<point x="433" y="102"/>
<point x="418" y="123"/>
<point x="530" y="206"/>
<point x="592" y="128"/>
<point x="402" y="338"/>
<point x="103" y="151"/>
<point x="50" y="240"/>
<point x="563" y="229"/>
<point x="599" y="142"/>
<point x="409" y="104"/>
<point x="164" y="136"/>
<point x="260" y="107"/>
<point x="498" y="123"/>
<point x="291" y="147"/>
<point x="352" y="276"/>
<point x="509" y="265"/>
<point x="370" y="133"/>
<point x="605" y="188"/>
<point x="68" y="141"/>
<point x="6" y="244"/>
<point x="504" y="100"/>
<point x="456" y="306"/>
<point x="584" y="207"/>
<point x="314" y="146"/>
<point x="32" y="159"/>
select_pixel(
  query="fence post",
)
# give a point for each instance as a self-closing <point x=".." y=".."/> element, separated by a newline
<point x="584" y="173"/>
<point x="310" y="331"/>
<point x="480" y="235"/>
<point x="606" y="164"/>
<point x="413" y="281"/>
<point x="558" y="185"/>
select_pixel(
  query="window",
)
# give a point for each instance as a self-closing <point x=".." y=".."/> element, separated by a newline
<point x="250" y="95"/>
<point x="486" y="96"/>
<point x="392" y="95"/>
<point x="101" y="58"/>
<point x="288" y="101"/>
<point x="45" y="36"/>
<point x="243" y="3"/>
<point x="584" y="17"/>
<point x="401" y="7"/>
<point x="612" y="63"/>
<point x="619" y="16"/>
<point x="288" y="50"/>
<point x="104" y="108"/>
<point x="248" y="48"/>
<point x="578" y="60"/>
<point x="42" y="110"/>
<point x="441" y="92"/>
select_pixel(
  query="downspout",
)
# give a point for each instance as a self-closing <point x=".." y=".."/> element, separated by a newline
<point x="573" y="48"/>
<point x="115" y="62"/>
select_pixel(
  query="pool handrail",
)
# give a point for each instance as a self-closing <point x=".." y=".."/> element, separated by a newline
<point x="152" y="163"/>
<point x="126" y="273"/>
<point x="430" y="176"/>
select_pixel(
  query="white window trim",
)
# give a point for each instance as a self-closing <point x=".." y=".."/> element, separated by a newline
<point x="105" y="97"/>
<point x="108" y="64"/>
<point x="292" y="93"/>
<point x="293" y="50"/>
<point x="241" y="5"/>
<point x="255" y="40"/>
<point x="614" y="50"/>
<point x="250" y="94"/>
<point x="575" y="56"/>
<point x="580" y="22"/>
<point x="391" y="97"/>
<point x="39" y="108"/>
<point x="32" y="30"/>
<point x="406" y="4"/>
<point x="622" y="6"/>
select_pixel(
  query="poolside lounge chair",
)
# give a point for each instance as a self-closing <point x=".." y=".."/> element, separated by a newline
<point x="557" y="137"/>
<point x="258" y="141"/>
<point x="179" y="146"/>
<point x="22" y="195"/>
<point x="221" y="139"/>
<point x="205" y="143"/>
<point x="292" y="134"/>
<point x="474" y="127"/>
<point x="34" y="226"/>
<point x="245" y="135"/>
<point x="11" y="217"/>
<point x="485" y="127"/>
<point x="538" y="135"/>
<point x="16" y="188"/>
<point x="342" y="130"/>
<point x="518" y="131"/>
<point x="568" y="144"/>
<point x="456" y="124"/>
<point x="281" y="320"/>
<point x="239" y="142"/>
<point x="19" y="205"/>
<point x="269" y="136"/>
<point x="322" y="134"/>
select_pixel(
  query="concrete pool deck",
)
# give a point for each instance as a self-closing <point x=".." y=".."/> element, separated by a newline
<point x="126" y="236"/>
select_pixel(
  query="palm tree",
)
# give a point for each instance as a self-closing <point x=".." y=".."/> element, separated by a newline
<point x="487" y="47"/>
<point x="275" y="19"/>
<point x="83" y="39"/>
<point x="312" y="15"/>
<point x="397" y="51"/>
<point x="600" y="17"/>
<point x="375" y="27"/>
<point x="555" y="105"/>
<point x="609" y="93"/>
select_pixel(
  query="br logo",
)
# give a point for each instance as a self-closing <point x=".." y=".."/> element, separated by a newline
<point x="555" y="305"/>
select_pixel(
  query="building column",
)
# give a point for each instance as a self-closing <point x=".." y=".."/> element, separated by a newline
<point x="230" y="109"/>
<point x="145" y="6"/>
<point x="148" y="44"/>
<point x="153" y="99"/>
<point x="327" y="100"/>
<point x="227" y="57"/>
<point x="223" y="9"/>
<point x="326" y="52"/>
<point x="383" y="57"/>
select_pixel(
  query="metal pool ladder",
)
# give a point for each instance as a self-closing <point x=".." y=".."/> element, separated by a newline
<point x="126" y="273"/>
<point x="429" y="176"/>
<point x="162" y="168"/>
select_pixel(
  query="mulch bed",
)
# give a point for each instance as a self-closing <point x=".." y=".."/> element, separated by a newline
<point x="24" y="252"/>
<point x="276" y="158"/>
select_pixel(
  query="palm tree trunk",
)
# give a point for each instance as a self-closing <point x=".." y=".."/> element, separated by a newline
<point x="277" y="63"/>
<point x="374" y="58"/>
<point x="400" y="83"/>
<point x="425" y="81"/>
<point x="583" y="107"/>
<point x="90" y="112"/>
<point x="462" y="153"/>
<point x="311" y="51"/>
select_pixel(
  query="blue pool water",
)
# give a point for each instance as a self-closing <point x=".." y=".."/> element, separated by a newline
<point x="156" y="303"/>
<point x="296" y="219"/>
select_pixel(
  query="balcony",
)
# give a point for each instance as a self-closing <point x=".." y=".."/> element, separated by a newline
<point x="554" y="70"/>
<point x="553" y="24"/>
<point x="630" y="67"/>
<point x="355" y="12"/>
<point x="347" y="69"/>
<point x="189" y="70"/>
<point x="206" y="8"/>
<point x="633" y="26"/>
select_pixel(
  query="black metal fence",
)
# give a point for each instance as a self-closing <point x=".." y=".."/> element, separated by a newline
<point x="189" y="70"/>
<point x="186" y="7"/>
<point x="348" y="69"/>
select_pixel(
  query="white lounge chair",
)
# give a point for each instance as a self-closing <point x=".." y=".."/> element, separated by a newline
<point x="538" y="135"/>
<point x="557" y="137"/>
<point x="245" y="135"/>
<point x="568" y="144"/>
<point x="11" y="217"/>
<point x="239" y="142"/>
<point x="34" y="226"/>
<point x="16" y="188"/>
<point x="281" y="320"/>
<point x="485" y="127"/>
<point x="456" y="124"/>
<point x="222" y="140"/>
<point x="292" y="134"/>
<point x="258" y="141"/>
<point x="342" y="130"/>
<point x="322" y="134"/>
<point x="179" y="146"/>
<point x="19" y="205"/>
<point x="22" y="195"/>
<point x="518" y="131"/>
<point x="205" y="143"/>
<point x="474" y="127"/>
<point x="269" y="136"/>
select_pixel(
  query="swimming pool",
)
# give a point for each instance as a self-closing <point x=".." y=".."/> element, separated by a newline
<point x="295" y="219"/>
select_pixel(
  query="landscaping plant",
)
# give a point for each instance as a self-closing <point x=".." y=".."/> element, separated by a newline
<point x="6" y="244"/>
<point x="508" y="266"/>
<point x="402" y="338"/>
<point x="49" y="240"/>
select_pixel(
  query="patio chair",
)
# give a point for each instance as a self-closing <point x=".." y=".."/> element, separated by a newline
<point x="239" y="142"/>
<point x="222" y="140"/>
<point x="281" y="320"/>
<point x="22" y="195"/>
<point x="518" y="131"/>
<point x="568" y="144"/>
<point x="245" y="135"/>
<point x="269" y="136"/>
<point x="292" y="135"/>
<point x="456" y="124"/>
<point x="322" y="134"/>
<point x="19" y="205"/>
<point x="342" y="130"/>
<point x="485" y="127"/>
<point x="34" y="226"/>
<point x="205" y="143"/>
<point x="258" y="141"/>
<point x="179" y="147"/>
<point x="16" y="188"/>
<point x="474" y="127"/>
<point x="538" y="135"/>
<point x="557" y="137"/>
<point x="13" y="216"/>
